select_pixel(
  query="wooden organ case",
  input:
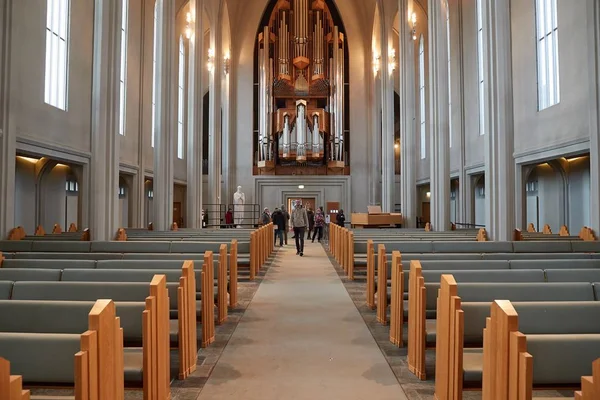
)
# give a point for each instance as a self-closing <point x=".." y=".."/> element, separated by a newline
<point x="301" y="92"/>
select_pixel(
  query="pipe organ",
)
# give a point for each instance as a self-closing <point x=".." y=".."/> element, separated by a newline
<point x="301" y="89"/>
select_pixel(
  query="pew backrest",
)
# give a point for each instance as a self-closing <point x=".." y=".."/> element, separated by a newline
<point x="130" y="247"/>
<point x="5" y="289"/>
<point x="49" y="264"/>
<point x="30" y="274"/>
<point x="573" y="275"/>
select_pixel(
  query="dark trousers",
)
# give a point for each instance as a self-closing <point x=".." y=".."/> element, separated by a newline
<point x="309" y="230"/>
<point x="299" y="232"/>
<point x="279" y="234"/>
<point x="319" y="230"/>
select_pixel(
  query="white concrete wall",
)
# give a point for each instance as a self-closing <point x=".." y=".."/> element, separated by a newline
<point x="25" y="196"/>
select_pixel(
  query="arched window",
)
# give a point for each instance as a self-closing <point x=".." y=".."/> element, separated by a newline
<point x="422" y="97"/>
<point x="480" y="67"/>
<point x="449" y="75"/>
<point x="547" y="53"/>
<point x="154" y="71"/>
<point x="123" y="78"/>
<point x="57" y="49"/>
<point x="180" y="99"/>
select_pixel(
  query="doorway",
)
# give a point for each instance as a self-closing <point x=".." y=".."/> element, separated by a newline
<point x="177" y="214"/>
<point x="307" y="202"/>
<point x="426" y="212"/>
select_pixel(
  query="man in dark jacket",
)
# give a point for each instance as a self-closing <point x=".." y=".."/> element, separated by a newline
<point x="311" y="221"/>
<point x="340" y="218"/>
<point x="279" y="221"/>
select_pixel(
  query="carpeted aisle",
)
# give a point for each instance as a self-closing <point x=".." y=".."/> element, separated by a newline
<point x="302" y="338"/>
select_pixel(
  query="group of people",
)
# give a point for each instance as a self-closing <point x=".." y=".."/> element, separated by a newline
<point x="302" y="220"/>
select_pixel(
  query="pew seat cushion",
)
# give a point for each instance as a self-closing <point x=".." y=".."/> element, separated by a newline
<point x="44" y="316"/>
<point x="562" y="359"/>
<point x="30" y="274"/>
<point x="65" y="246"/>
<point x="41" y="357"/>
<point x="133" y="361"/>
<point x="473" y="366"/>
<point x="50" y="264"/>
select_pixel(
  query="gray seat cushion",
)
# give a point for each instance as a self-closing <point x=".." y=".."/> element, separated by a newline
<point x="472" y="366"/>
<point x="41" y="357"/>
<point x="29" y="274"/>
<point x="117" y="275"/>
<point x="535" y="256"/>
<point x="133" y="361"/>
<point x="44" y="316"/>
<point x="50" y="264"/>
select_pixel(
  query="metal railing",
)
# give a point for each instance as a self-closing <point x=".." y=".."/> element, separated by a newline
<point x="216" y="215"/>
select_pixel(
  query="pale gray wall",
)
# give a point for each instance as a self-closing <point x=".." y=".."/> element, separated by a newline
<point x="568" y="121"/>
<point x="32" y="118"/>
<point x="25" y="195"/>
<point x="579" y="195"/>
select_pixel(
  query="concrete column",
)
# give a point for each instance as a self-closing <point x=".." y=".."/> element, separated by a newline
<point x="408" y="149"/>
<point x="165" y="121"/>
<point x="500" y="199"/>
<point x="375" y="141"/>
<point x="593" y="23"/>
<point x="439" y="118"/>
<point x="8" y="138"/>
<point x="458" y="90"/>
<point x="387" y="121"/>
<point x="214" y="125"/>
<point x="226" y="137"/>
<point x="104" y="168"/>
<point x="195" y="114"/>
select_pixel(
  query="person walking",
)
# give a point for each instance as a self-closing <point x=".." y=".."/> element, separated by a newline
<point x="266" y="217"/>
<point x="319" y="224"/>
<point x="299" y="222"/>
<point x="279" y="221"/>
<point x="287" y="223"/>
<point x="311" y="221"/>
<point x="340" y="219"/>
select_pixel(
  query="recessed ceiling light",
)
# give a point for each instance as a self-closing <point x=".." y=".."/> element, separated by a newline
<point x="300" y="186"/>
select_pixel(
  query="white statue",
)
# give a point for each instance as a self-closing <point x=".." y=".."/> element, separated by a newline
<point x="239" y="199"/>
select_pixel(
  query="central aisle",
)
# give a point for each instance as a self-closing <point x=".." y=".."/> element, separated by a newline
<point x="302" y="338"/>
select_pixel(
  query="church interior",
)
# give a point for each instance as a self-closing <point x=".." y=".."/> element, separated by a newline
<point x="299" y="199"/>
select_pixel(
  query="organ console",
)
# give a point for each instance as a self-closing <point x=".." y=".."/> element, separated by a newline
<point x="301" y="89"/>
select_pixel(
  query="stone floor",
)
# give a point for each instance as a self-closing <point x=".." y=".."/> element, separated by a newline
<point x="302" y="338"/>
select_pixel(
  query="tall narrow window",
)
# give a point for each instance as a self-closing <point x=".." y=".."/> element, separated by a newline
<point x="547" y="54"/>
<point x="422" y="97"/>
<point x="449" y="75"/>
<point x="123" y="79"/>
<point x="154" y="71"/>
<point x="480" y="67"/>
<point x="57" y="53"/>
<point x="180" y="99"/>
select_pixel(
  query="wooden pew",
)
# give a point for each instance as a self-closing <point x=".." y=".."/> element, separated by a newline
<point x="370" y="275"/>
<point x="397" y="301"/>
<point x="208" y="300"/>
<point x="222" y="285"/>
<point x="590" y="385"/>
<point x="233" y="274"/>
<point x="11" y="386"/>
